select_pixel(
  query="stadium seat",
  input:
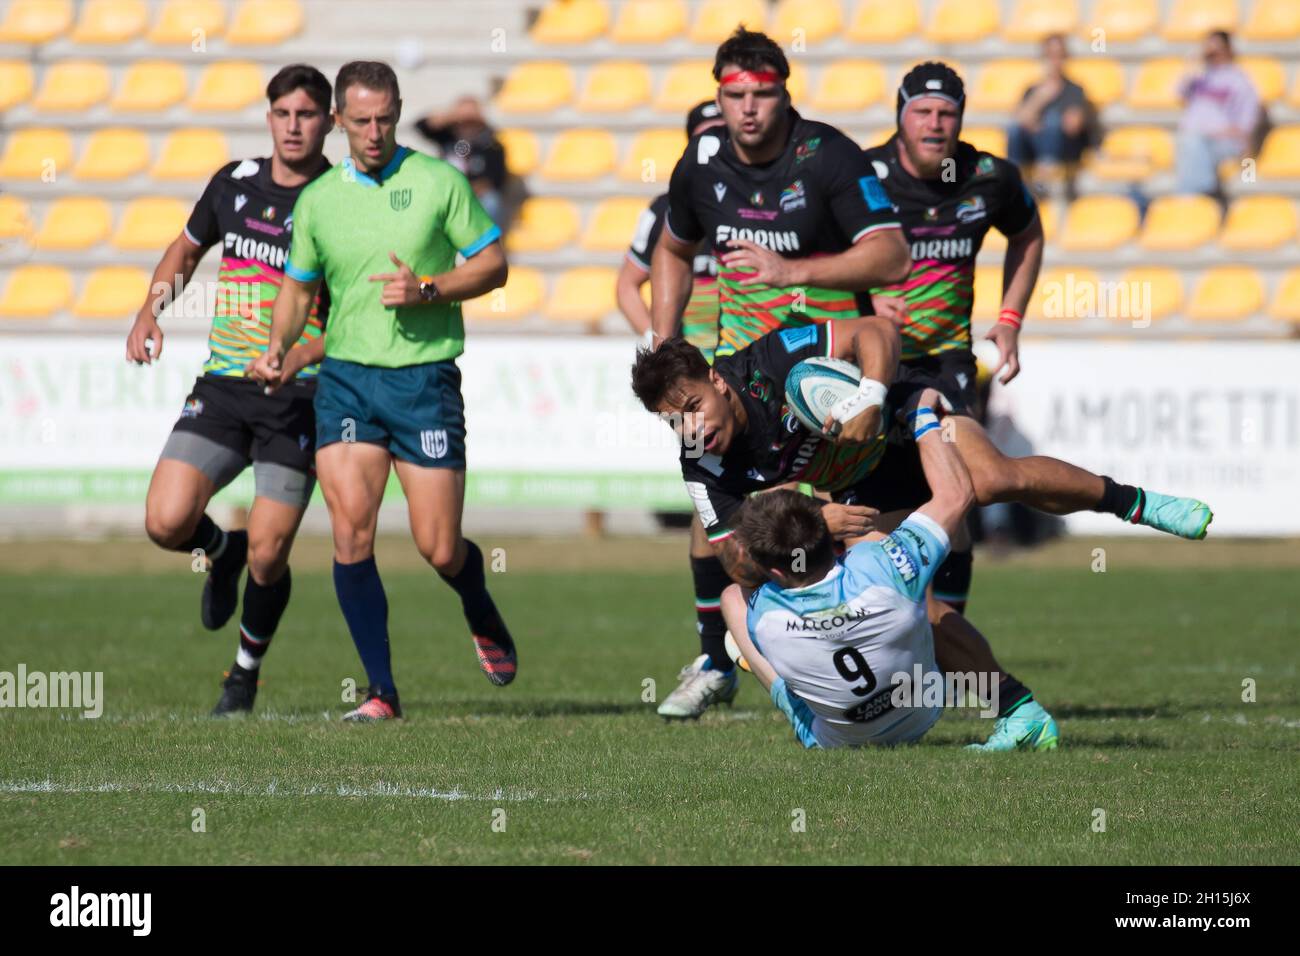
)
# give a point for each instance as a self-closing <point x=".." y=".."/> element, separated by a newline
<point x="987" y="139"/>
<point x="579" y="155"/>
<point x="988" y="292"/>
<point x="1267" y="74"/>
<point x="1178" y="223"/>
<point x="649" y="21"/>
<point x="105" y="22"/>
<point x="1001" y="84"/>
<point x="961" y="21"/>
<point x="522" y="152"/>
<point x="1226" y="294"/>
<point x="1280" y="156"/>
<point x="1095" y="223"/>
<point x="74" y="223"/>
<point x="1164" y="285"/>
<point x="521" y="295"/>
<point x="182" y="22"/>
<point x="1124" y="21"/>
<point x="876" y="137"/>
<point x="35" y="292"/>
<point x="716" y="19"/>
<point x="1272" y="20"/>
<point x="1102" y="79"/>
<point x="16" y="83"/>
<point x="1286" y="301"/>
<point x="35" y="21"/>
<point x="1258" y="224"/>
<point x="849" y="86"/>
<point x="227" y="86"/>
<point x="536" y="87"/>
<point x="111" y="154"/>
<point x="112" y="292"/>
<point x="570" y="22"/>
<point x="150" y="86"/>
<point x="613" y="224"/>
<point x="687" y="83"/>
<point x="72" y="85"/>
<point x="585" y="294"/>
<point x="192" y="154"/>
<point x="265" y="22"/>
<point x="614" y="87"/>
<point x="15" y="218"/>
<point x="652" y="156"/>
<point x="544" y="224"/>
<point x="884" y="21"/>
<point x="797" y="83"/>
<point x="817" y="19"/>
<point x="1191" y="20"/>
<point x="1049" y="216"/>
<point x="36" y="153"/>
<point x="1156" y="85"/>
<point x="1131" y="153"/>
<point x="1061" y="295"/>
<point x="151" y="223"/>
<point x="1031" y="20"/>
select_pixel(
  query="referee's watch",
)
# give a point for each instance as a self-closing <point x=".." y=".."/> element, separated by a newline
<point x="428" y="291"/>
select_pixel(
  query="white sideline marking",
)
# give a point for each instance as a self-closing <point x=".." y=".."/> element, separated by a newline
<point x="273" y="789"/>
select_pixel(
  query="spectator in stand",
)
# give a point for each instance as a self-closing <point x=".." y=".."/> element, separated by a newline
<point x="1220" y="112"/>
<point x="469" y="144"/>
<point x="1054" y="122"/>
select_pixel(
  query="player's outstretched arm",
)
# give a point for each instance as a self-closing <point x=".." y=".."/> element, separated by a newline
<point x="950" y="483"/>
<point x="174" y="270"/>
<point x="735" y="612"/>
<point x="627" y="287"/>
<point x="670" y="284"/>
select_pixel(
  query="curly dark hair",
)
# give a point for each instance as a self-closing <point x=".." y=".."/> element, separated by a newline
<point x="656" y="374"/>
<point x="753" y="51"/>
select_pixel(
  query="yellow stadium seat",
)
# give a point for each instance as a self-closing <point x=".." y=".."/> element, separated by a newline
<point x="1178" y="223"/>
<point x="36" y="153"/>
<point x="112" y="292"/>
<point x="1102" y="79"/>
<point x="150" y="86"/>
<point x="649" y="21"/>
<point x="1156" y="85"/>
<point x="817" y="19"/>
<point x="15" y="218"/>
<point x="1191" y="20"/>
<point x="74" y="223"/>
<point x="105" y="22"/>
<point x="578" y="155"/>
<point x="35" y="21"/>
<point x="544" y="223"/>
<point x="687" y="83"/>
<point x="1267" y="74"/>
<point x="613" y="224"/>
<point x="987" y="139"/>
<point x="849" y="86"/>
<point x="1258" y="224"/>
<point x="1124" y="21"/>
<point x="16" y="83"/>
<point x="1049" y="217"/>
<point x="884" y="21"/>
<point x="1286" y="301"/>
<point x="113" y="153"/>
<point x="1031" y="20"/>
<point x="614" y="87"/>
<point x="1280" y="156"/>
<point x="522" y="152"/>
<point x="718" y="18"/>
<point x="652" y="156"/>
<point x="150" y="224"/>
<point x="186" y="22"/>
<point x="72" y="85"/>
<point x="192" y="154"/>
<point x="1094" y="223"/>
<point x="571" y="21"/>
<point x="1133" y="152"/>
<point x="1272" y="20"/>
<point x="1065" y="294"/>
<point x="961" y="21"/>
<point x="35" y="292"/>
<point x="797" y="83"/>
<point x="536" y="87"/>
<point x="988" y="292"/>
<point x="1226" y="294"/>
<point x="877" y="137"/>
<point x="1001" y="84"/>
<point x="231" y="85"/>
<point x="1163" y="285"/>
<point x="520" y="296"/>
<point x="264" y="22"/>
<point x="585" y="294"/>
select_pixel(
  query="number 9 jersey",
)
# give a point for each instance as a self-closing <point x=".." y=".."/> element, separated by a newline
<point x="841" y="644"/>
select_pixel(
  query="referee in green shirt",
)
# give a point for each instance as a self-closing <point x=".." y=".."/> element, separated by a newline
<point x="382" y="229"/>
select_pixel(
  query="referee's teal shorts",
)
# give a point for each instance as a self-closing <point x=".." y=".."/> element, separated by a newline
<point x="416" y="412"/>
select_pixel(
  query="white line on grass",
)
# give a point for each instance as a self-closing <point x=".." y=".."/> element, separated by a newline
<point x="273" y="789"/>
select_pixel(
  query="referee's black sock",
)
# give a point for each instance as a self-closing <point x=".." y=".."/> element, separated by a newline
<point x="710" y="581"/>
<point x="264" y="605"/>
<point x="1011" y="694"/>
<point x="471" y="584"/>
<point x="952" y="580"/>
<point x="1123" y="501"/>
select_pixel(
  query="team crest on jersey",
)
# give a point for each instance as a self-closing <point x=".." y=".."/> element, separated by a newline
<point x="193" y="408"/>
<point x="268" y="213"/>
<point x="399" y="199"/>
<point x="970" y="210"/>
<point x="240" y="202"/>
<point x="984" y="167"/>
<point x="806" y="149"/>
<point x="932" y="214"/>
<point x="760" y="386"/>
<point x="793" y="197"/>
<point x="756" y="199"/>
<point x="433" y="442"/>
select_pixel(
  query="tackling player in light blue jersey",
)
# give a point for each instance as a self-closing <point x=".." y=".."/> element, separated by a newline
<point x="834" y="641"/>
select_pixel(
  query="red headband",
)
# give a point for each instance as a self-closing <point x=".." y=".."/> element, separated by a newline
<point x="746" y="76"/>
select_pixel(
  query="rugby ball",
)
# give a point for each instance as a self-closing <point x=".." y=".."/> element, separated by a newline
<point x="816" y="385"/>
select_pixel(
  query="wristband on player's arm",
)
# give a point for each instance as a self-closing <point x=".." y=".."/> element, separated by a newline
<point x="870" y="394"/>
<point x="1012" y="318"/>
<point x="923" y="421"/>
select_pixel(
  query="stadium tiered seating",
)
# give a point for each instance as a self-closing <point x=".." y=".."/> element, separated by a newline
<point x="1165" y="285"/>
<point x="584" y="294"/>
<point x="106" y="22"/>
<point x="36" y="152"/>
<point x="1226" y="294"/>
<point x="1271" y="20"/>
<point x="150" y="86"/>
<point x="717" y="18"/>
<point x="523" y="154"/>
<point x="649" y="21"/>
<point x="113" y="153"/>
<point x="16" y="83"/>
<point x="536" y="87"/>
<point x="652" y="156"/>
<point x="1102" y="79"/>
<point x="179" y="20"/>
<point x="849" y="86"/>
<point x="111" y="292"/>
<point x="229" y="85"/>
<point x="74" y="223"/>
<point x="544" y="224"/>
<point x="35" y="21"/>
<point x="1130" y="153"/>
<point x="1000" y="84"/>
<point x="1179" y="223"/>
<point x="1258" y="224"/>
<point x="578" y="155"/>
<point x="521" y="296"/>
<point x="576" y="21"/>
<point x="884" y="21"/>
<point x="72" y="86"/>
<point x="961" y="21"/>
<point x="1031" y="20"/>
<point x="1123" y="21"/>
<point x="613" y="224"/>
<point x="15" y="218"/>
<point x="1286" y="301"/>
<point x="149" y="224"/>
<point x="1267" y="74"/>
<point x="1280" y="156"/>
<point x="35" y="292"/>
<point x="191" y="154"/>
<point x="265" y="22"/>
<point x="1099" y="223"/>
<point x="1058" y="290"/>
<point x="686" y="84"/>
<point x="1191" y="20"/>
<point x="614" y="87"/>
<point x="810" y="20"/>
<point x="1155" y="87"/>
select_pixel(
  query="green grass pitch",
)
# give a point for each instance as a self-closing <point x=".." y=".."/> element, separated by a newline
<point x="1142" y="665"/>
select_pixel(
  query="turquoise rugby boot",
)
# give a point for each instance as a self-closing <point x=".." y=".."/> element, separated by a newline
<point x="1185" y="517"/>
<point x="1028" y="727"/>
